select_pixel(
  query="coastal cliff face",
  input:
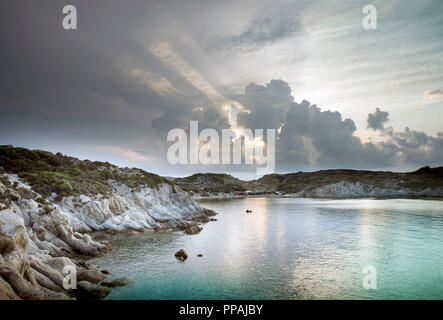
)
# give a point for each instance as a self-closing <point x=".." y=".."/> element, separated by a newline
<point x="42" y="234"/>
<point x="346" y="189"/>
<point x="425" y="182"/>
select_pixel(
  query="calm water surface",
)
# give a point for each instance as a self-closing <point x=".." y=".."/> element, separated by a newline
<point x="290" y="249"/>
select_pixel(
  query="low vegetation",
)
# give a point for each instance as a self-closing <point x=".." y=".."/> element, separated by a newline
<point x="421" y="179"/>
<point x="49" y="173"/>
<point x="211" y="182"/>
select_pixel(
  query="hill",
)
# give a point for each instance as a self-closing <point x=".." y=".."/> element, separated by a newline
<point x="49" y="173"/>
<point x="211" y="182"/>
<point x="425" y="182"/>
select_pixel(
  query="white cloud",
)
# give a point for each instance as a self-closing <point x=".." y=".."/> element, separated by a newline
<point x="433" y="94"/>
<point x="168" y="56"/>
<point x="127" y="153"/>
<point x="156" y="82"/>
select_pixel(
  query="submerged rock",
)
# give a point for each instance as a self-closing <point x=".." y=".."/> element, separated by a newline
<point x="181" y="255"/>
<point x="89" y="290"/>
<point x="119" y="282"/>
<point x="85" y="265"/>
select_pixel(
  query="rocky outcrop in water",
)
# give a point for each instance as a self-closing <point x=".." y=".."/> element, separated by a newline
<point x="181" y="255"/>
<point x="119" y="282"/>
<point x="193" y="229"/>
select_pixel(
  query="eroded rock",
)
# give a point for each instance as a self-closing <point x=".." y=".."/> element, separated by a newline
<point x="181" y="255"/>
<point x="6" y="292"/>
<point x="36" y="246"/>
<point x="193" y="229"/>
<point x="6" y="244"/>
<point x="119" y="282"/>
<point x="93" y="276"/>
<point x="87" y="290"/>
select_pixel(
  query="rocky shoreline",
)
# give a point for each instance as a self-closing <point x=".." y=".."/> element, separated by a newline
<point x="379" y="197"/>
<point x="345" y="190"/>
<point x="425" y="182"/>
<point x="42" y="240"/>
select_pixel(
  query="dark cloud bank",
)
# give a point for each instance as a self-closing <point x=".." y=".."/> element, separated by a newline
<point x="75" y="87"/>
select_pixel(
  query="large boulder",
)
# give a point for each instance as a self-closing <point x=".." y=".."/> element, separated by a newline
<point x="118" y="282"/>
<point x="87" y="290"/>
<point x="52" y="274"/>
<point x="181" y="255"/>
<point x="6" y="292"/>
<point x="15" y="269"/>
<point x="6" y="244"/>
<point x="193" y="229"/>
<point x="93" y="276"/>
<point x="45" y="282"/>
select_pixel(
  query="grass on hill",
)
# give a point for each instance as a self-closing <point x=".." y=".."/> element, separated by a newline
<point x="47" y="173"/>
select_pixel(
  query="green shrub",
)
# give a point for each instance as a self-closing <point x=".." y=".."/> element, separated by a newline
<point x="48" y="173"/>
<point x="25" y="193"/>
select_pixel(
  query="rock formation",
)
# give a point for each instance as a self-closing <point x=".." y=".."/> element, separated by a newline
<point x="181" y="255"/>
<point x="40" y="243"/>
<point x="119" y="282"/>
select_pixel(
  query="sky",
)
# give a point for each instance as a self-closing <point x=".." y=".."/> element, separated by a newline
<point x="339" y="96"/>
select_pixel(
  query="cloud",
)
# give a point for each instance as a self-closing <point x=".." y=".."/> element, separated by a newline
<point x="314" y="138"/>
<point x="134" y="74"/>
<point x="377" y="119"/>
<point x="168" y="56"/>
<point x="266" y="105"/>
<point x="127" y="153"/>
<point x="433" y="94"/>
<point x="260" y="31"/>
<point x="311" y="138"/>
<point x="98" y="83"/>
<point x="417" y="148"/>
<point x="155" y="81"/>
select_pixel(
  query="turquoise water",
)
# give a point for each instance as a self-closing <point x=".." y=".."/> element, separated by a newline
<point x="290" y="249"/>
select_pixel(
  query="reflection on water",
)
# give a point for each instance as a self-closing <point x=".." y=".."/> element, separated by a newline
<point x="290" y="249"/>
